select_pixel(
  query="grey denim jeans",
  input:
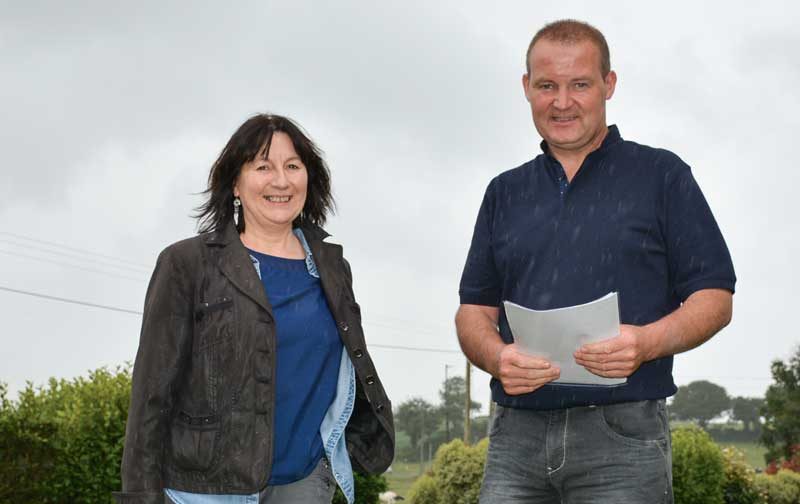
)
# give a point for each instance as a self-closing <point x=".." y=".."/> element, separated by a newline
<point x="618" y="454"/>
<point x="316" y="488"/>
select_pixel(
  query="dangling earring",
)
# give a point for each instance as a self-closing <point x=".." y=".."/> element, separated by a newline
<point x="237" y="203"/>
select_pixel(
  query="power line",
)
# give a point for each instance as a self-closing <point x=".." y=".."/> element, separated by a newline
<point x="75" y="255"/>
<point x="416" y="349"/>
<point x="371" y="345"/>
<point x="67" y="300"/>
<point x="405" y="329"/>
<point x="74" y="249"/>
<point x="134" y="312"/>
<point x="75" y="266"/>
<point x="438" y="329"/>
<point x="389" y="319"/>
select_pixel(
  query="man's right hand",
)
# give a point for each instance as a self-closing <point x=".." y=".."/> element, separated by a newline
<point x="518" y="372"/>
<point x="521" y="373"/>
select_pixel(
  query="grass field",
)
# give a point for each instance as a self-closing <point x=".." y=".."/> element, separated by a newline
<point x="402" y="476"/>
<point x="753" y="453"/>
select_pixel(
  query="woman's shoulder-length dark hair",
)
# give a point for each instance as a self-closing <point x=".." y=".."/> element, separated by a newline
<point x="253" y="138"/>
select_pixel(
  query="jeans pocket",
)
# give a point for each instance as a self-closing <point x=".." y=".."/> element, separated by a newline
<point x="497" y="420"/>
<point x="635" y="423"/>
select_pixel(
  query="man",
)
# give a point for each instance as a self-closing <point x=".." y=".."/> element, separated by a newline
<point x="591" y="215"/>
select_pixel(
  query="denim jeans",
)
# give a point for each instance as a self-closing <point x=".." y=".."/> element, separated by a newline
<point x="316" y="488"/>
<point x="615" y="454"/>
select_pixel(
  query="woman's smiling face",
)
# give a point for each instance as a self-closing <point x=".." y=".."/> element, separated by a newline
<point x="273" y="190"/>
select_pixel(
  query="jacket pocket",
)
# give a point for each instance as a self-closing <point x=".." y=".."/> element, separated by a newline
<point x="213" y="321"/>
<point x="205" y="307"/>
<point x="194" y="441"/>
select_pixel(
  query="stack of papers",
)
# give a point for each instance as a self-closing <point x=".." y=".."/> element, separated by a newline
<point x="556" y="334"/>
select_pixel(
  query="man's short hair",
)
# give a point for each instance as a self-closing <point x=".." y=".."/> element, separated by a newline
<point x="570" y="31"/>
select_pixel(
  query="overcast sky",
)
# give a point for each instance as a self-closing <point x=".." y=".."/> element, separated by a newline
<point x="112" y="115"/>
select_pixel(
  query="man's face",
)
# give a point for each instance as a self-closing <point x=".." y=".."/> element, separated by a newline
<point x="568" y="94"/>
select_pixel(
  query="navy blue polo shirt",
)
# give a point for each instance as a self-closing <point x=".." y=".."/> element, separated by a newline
<point x="632" y="220"/>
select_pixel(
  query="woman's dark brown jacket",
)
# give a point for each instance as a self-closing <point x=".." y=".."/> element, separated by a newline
<point x="202" y="404"/>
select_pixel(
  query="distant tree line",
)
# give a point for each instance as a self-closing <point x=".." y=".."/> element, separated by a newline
<point x="773" y="420"/>
<point x="427" y="425"/>
<point x="702" y="401"/>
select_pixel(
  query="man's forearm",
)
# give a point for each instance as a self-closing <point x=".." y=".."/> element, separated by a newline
<point x="699" y="318"/>
<point x="478" y="337"/>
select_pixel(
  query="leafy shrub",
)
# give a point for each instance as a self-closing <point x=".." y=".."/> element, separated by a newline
<point x="781" y="409"/>
<point x="739" y="479"/>
<point x="792" y="463"/>
<point x="780" y="488"/>
<point x="425" y="490"/>
<point x="455" y="477"/>
<point x="459" y="470"/>
<point x="698" y="468"/>
<point x="63" y="443"/>
<point x="367" y="487"/>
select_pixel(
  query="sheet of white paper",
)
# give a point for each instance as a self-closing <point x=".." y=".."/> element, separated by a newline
<point x="556" y="334"/>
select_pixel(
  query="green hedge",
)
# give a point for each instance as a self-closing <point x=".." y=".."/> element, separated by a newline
<point x="367" y="489"/>
<point x="425" y="490"/>
<point x="781" y="488"/>
<point x="63" y="443"/>
<point x="455" y="477"/>
<point x="698" y="470"/>
<point x="739" y="479"/>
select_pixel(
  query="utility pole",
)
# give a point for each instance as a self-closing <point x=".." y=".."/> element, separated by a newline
<point x="491" y="415"/>
<point x="421" y="444"/>
<point x="467" y="419"/>
<point x="446" y="404"/>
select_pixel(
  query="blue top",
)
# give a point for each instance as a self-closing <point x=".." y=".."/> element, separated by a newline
<point x="632" y="220"/>
<point x="307" y="365"/>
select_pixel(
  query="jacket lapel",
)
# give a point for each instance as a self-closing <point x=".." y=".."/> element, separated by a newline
<point x="328" y="258"/>
<point x="234" y="262"/>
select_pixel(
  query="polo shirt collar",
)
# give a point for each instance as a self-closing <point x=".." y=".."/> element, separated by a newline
<point x="612" y="138"/>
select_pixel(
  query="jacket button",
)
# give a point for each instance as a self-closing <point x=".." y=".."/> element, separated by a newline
<point x="358" y="353"/>
<point x="370" y="380"/>
<point x="344" y="326"/>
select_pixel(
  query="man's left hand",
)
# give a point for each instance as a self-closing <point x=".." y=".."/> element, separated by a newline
<point x="616" y="357"/>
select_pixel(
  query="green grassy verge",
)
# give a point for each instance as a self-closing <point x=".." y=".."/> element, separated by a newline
<point x="753" y="452"/>
<point x="402" y="476"/>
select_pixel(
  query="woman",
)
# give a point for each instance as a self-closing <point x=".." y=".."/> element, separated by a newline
<point x="252" y="383"/>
